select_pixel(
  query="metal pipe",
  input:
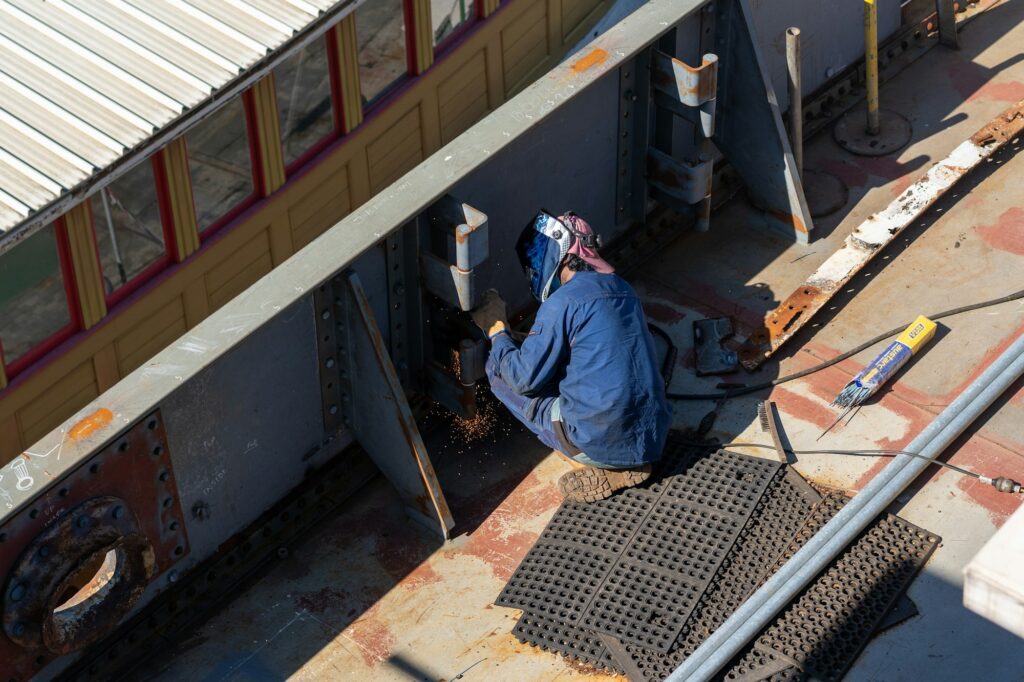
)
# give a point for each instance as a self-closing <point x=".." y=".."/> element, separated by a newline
<point x="762" y="606"/>
<point x="796" y="104"/>
<point x="871" y="63"/>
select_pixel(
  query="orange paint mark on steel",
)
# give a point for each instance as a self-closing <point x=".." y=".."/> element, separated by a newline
<point x="91" y="424"/>
<point x="592" y="58"/>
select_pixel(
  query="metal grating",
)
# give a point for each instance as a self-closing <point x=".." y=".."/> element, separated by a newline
<point x="648" y="554"/>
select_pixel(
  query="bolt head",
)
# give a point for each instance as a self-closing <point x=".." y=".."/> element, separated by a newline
<point x="17" y="592"/>
<point x="118" y="512"/>
<point x="82" y="522"/>
<point x="18" y="629"/>
<point x="172" y="577"/>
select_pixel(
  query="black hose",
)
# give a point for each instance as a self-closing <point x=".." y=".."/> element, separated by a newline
<point x="736" y="392"/>
<point x="857" y="453"/>
<point x="669" y="363"/>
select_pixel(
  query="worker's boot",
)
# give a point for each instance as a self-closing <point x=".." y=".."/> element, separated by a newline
<point x="591" y="484"/>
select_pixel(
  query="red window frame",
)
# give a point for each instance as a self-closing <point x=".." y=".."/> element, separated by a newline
<point x="71" y="297"/>
<point x="337" y="111"/>
<point x="452" y="38"/>
<point x="167" y="227"/>
<point x="255" y="162"/>
<point x="386" y="94"/>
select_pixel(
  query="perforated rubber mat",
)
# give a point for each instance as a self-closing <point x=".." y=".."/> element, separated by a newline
<point x="779" y="515"/>
<point x="818" y="636"/>
<point x="635" y="565"/>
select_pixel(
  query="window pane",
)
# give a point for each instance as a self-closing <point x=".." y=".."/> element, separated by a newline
<point x="33" y="303"/>
<point x="129" y="234"/>
<point x="304" y="100"/>
<point x="218" y="159"/>
<point x="448" y="15"/>
<point x="380" y="25"/>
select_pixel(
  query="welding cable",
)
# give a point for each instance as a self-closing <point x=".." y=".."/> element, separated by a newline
<point x="736" y="392"/>
<point x="1000" y="483"/>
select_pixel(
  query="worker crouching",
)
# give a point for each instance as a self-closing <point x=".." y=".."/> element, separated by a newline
<point x="585" y="379"/>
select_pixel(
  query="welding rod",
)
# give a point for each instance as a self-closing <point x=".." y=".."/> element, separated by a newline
<point x="792" y="578"/>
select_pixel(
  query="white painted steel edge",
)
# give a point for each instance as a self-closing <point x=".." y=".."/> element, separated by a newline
<point x="879" y="229"/>
<point x="994" y="578"/>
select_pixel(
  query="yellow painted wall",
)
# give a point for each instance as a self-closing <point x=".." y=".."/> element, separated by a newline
<point x="515" y="45"/>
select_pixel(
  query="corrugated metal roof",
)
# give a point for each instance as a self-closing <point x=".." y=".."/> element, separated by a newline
<point x="83" y="83"/>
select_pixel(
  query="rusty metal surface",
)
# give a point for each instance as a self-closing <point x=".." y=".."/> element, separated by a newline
<point x="877" y="232"/>
<point x="125" y="499"/>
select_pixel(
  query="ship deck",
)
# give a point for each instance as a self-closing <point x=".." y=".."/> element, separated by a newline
<point x="371" y="595"/>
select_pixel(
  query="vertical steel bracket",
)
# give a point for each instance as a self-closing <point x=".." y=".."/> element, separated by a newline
<point x="405" y="312"/>
<point x="459" y="243"/>
<point x="376" y="410"/>
<point x="947" y="23"/>
<point x="634" y="126"/>
<point x="748" y="127"/>
<point x="689" y="92"/>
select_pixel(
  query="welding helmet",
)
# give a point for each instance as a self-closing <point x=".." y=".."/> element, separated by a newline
<point x="546" y="241"/>
<point x="541" y="248"/>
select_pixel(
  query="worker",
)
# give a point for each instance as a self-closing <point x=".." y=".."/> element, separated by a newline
<point x="585" y="379"/>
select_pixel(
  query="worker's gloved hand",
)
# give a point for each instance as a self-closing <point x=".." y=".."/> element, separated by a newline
<point x="490" y="314"/>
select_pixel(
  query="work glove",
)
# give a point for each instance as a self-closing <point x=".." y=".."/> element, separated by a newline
<point x="490" y="314"/>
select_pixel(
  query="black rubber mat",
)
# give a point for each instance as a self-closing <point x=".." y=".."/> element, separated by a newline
<point x="635" y="565"/>
<point x="827" y="627"/>
<point x="574" y="643"/>
<point x="818" y="636"/>
<point x="779" y="515"/>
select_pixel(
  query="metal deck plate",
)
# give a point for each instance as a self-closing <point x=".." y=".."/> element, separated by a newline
<point x="634" y="566"/>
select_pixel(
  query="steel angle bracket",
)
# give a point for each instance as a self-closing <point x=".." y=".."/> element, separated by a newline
<point x="376" y="410"/>
<point x="748" y="126"/>
<point x="459" y="232"/>
<point x="683" y="89"/>
<point x="675" y="183"/>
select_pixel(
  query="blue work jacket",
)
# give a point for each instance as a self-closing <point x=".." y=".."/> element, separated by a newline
<point x="590" y="346"/>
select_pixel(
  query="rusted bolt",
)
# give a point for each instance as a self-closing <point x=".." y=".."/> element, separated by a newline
<point x="168" y="502"/>
<point x="329" y="362"/>
<point x="163" y="476"/>
<point x="325" y="315"/>
<point x="333" y="409"/>
<point x="157" y="451"/>
<point x="17" y="592"/>
<point x="151" y="425"/>
<point x="18" y="629"/>
<point x="172" y="526"/>
<point x="118" y="512"/>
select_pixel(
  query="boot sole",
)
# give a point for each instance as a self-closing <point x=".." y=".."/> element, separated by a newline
<point x="592" y="484"/>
